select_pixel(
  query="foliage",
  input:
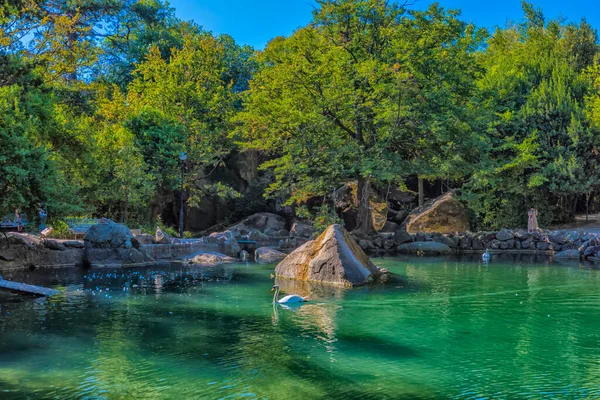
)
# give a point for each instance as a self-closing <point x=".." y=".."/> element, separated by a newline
<point x="353" y="96"/>
<point x="98" y="99"/>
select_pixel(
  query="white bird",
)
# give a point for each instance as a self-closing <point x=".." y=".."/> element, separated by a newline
<point x="486" y="256"/>
<point x="289" y="299"/>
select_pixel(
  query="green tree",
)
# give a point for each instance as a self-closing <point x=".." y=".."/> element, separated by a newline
<point x="367" y="91"/>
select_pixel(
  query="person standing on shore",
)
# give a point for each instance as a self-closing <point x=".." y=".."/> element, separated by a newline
<point x="532" y="224"/>
<point x="18" y="220"/>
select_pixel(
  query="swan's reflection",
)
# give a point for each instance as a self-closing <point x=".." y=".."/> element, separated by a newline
<point x="317" y="317"/>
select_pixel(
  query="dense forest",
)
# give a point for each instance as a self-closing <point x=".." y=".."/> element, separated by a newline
<point x="98" y="98"/>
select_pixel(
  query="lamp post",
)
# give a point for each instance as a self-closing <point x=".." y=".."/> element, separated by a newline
<point x="182" y="158"/>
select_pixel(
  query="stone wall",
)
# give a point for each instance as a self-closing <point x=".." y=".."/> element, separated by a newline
<point x="561" y="244"/>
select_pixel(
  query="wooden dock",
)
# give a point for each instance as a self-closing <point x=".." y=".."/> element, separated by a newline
<point x="23" y="288"/>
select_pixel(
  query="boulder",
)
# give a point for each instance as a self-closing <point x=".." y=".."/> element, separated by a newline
<point x="263" y="222"/>
<point x="75" y="244"/>
<point x="333" y="258"/>
<point x="257" y="236"/>
<point x="268" y="255"/>
<point x="543" y="246"/>
<point x="302" y="229"/>
<point x="365" y="244"/>
<point x="505" y="234"/>
<point x="425" y="247"/>
<point x="390" y="227"/>
<point x="557" y="237"/>
<point x="210" y="259"/>
<point x="568" y="254"/>
<point x="52" y="244"/>
<point x="109" y="235"/>
<point x="378" y="242"/>
<point x="24" y="239"/>
<point x="346" y="203"/>
<point x="444" y="214"/>
<point x="399" y="198"/>
<point x="161" y="237"/>
<point x="389" y="244"/>
<point x="401" y="236"/>
<point x="477" y="244"/>
<point x="144" y="238"/>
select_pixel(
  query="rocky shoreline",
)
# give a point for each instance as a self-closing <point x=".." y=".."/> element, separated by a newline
<point x="571" y="244"/>
<point x="113" y="245"/>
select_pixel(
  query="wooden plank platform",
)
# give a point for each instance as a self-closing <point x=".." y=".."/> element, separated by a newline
<point x="23" y="288"/>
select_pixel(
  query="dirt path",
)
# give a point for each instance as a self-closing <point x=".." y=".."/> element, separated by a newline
<point x="591" y="226"/>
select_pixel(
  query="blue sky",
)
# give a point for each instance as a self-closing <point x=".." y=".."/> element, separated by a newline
<point x="255" y="22"/>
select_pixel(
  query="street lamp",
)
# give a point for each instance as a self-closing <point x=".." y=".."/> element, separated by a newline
<point x="182" y="158"/>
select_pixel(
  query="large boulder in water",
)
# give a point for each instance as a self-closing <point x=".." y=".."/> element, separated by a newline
<point x="444" y="214"/>
<point x="333" y="258"/>
<point x="109" y="235"/>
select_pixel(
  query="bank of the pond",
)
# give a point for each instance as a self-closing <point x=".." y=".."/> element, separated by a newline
<point x="566" y="244"/>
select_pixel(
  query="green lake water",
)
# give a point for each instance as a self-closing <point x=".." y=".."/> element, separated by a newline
<point x="453" y="328"/>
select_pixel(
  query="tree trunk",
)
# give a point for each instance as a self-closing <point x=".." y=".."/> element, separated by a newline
<point x="365" y="222"/>
<point x="421" y="192"/>
<point x="587" y="206"/>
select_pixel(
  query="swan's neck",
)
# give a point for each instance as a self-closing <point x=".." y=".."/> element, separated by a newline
<point x="276" y="295"/>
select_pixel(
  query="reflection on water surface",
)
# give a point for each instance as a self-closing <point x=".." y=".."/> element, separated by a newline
<point x="452" y="328"/>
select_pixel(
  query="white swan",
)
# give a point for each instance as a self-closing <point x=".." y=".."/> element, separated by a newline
<point x="289" y="299"/>
<point x="486" y="256"/>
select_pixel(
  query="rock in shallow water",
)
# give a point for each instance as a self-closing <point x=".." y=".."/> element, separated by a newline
<point x="268" y="255"/>
<point x="333" y="258"/>
<point x="210" y="259"/>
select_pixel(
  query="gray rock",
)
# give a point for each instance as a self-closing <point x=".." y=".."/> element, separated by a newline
<point x="557" y="237"/>
<point x="145" y="238"/>
<point x="505" y="234"/>
<point x="401" y="236"/>
<point x="244" y="255"/>
<point x="521" y="234"/>
<point x="210" y="259"/>
<point x="333" y="258"/>
<point x="390" y="227"/>
<point x="24" y="239"/>
<point x="450" y="242"/>
<point x="74" y="244"/>
<point x="160" y="237"/>
<point x="389" y="244"/>
<point x="477" y="244"/>
<point x="568" y="254"/>
<point x="108" y="235"/>
<point x="378" y="242"/>
<point x="421" y="237"/>
<point x="365" y="244"/>
<point x="465" y="242"/>
<point x="53" y="244"/>
<point x="257" y="236"/>
<point x="282" y="232"/>
<point x="543" y="246"/>
<point x="268" y="255"/>
<point x="426" y="247"/>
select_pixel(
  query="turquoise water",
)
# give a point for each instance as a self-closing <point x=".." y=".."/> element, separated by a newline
<point x="452" y="329"/>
